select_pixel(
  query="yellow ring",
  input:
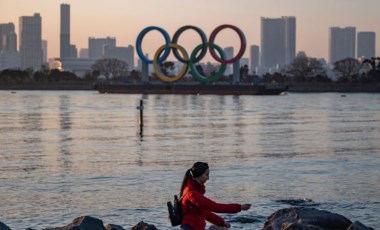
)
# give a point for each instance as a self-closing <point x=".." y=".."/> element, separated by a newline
<point x="156" y="66"/>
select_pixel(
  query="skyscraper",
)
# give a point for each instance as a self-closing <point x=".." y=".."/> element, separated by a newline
<point x="278" y="41"/>
<point x="125" y="54"/>
<point x="254" y="56"/>
<point x="341" y="43"/>
<point x="44" y="47"/>
<point x="229" y="52"/>
<point x="366" y="44"/>
<point x="65" y="31"/>
<point x="96" y="46"/>
<point x="30" y="41"/>
<point x="8" y="38"/>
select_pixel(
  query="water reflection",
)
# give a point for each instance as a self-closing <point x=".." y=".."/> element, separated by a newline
<point x="64" y="133"/>
<point x="65" y="154"/>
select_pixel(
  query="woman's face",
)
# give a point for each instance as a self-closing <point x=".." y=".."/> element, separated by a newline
<point x="204" y="177"/>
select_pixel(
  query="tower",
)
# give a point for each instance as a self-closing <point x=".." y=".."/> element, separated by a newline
<point x="254" y="56"/>
<point x="30" y="41"/>
<point x="366" y="44"/>
<point x="65" y="31"/>
<point x="341" y="43"/>
<point x="278" y="41"/>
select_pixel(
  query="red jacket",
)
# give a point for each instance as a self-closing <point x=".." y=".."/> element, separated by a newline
<point x="196" y="208"/>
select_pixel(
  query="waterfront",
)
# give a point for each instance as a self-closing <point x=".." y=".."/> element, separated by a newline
<point x="70" y="153"/>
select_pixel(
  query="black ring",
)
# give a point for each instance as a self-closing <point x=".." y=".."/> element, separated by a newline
<point x="203" y="36"/>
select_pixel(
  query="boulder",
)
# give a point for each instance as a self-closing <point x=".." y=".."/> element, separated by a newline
<point x="309" y="218"/>
<point x="297" y="226"/>
<point x="214" y="227"/>
<point x="114" y="227"/>
<point x="144" y="226"/>
<point x="359" y="226"/>
<point x="4" y="227"/>
<point x="83" y="223"/>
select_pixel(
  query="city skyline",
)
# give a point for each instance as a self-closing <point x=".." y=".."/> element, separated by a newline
<point x="124" y="19"/>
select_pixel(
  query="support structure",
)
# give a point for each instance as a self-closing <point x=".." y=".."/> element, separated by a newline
<point x="236" y="72"/>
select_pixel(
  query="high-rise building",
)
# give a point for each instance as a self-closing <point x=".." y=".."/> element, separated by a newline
<point x="44" y="47"/>
<point x="30" y="41"/>
<point x="125" y="54"/>
<point x="254" y="56"/>
<point x="9" y="57"/>
<point x="8" y="38"/>
<point x="83" y="53"/>
<point x="65" y="31"/>
<point x="96" y="46"/>
<point x="229" y="52"/>
<point x="342" y="43"/>
<point x="366" y="44"/>
<point x="278" y="41"/>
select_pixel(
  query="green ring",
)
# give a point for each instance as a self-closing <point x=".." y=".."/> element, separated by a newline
<point x="194" y="70"/>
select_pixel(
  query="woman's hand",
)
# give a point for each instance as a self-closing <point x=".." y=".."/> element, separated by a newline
<point x="227" y="225"/>
<point x="245" y="207"/>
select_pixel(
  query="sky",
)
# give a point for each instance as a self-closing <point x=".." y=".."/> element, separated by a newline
<point x="124" y="20"/>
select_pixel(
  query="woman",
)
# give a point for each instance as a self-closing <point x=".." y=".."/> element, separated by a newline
<point x="196" y="208"/>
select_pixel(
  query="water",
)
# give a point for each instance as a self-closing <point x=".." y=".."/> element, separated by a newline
<point x="65" y="154"/>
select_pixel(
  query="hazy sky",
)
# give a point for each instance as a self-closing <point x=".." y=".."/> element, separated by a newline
<point x="124" y="19"/>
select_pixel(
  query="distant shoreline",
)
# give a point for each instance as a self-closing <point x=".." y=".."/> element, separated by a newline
<point x="299" y="87"/>
<point x="48" y="86"/>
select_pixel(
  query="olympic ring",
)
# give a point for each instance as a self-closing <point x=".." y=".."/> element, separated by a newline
<point x="139" y="41"/>
<point x="194" y="70"/>
<point x="156" y="67"/>
<point x="204" y="42"/>
<point x="193" y="57"/>
<point x="243" y="43"/>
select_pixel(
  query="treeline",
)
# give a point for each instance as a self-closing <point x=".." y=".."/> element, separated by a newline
<point x="17" y="76"/>
<point x="301" y="69"/>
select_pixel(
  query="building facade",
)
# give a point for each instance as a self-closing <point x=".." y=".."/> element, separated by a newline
<point x="9" y="56"/>
<point x="30" y="41"/>
<point x="254" y="56"/>
<point x="229" y="52"/>
<point x="366" y="44"/>
<point x="96" y="46"/>
<point x="278" y="41"/>
<point x="342" y="43"/>
<point x="65" y="31"/>
<point x="125" y="54"/>
<point x="44" y="47"/>
<point x="8" y="38"/>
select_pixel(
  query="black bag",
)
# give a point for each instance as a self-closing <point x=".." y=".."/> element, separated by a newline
<point x="175" y="211"/>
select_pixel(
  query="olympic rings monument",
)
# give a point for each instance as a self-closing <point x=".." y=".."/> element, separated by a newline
<point x="195" y="55"/>
<point x="190" y="62"/>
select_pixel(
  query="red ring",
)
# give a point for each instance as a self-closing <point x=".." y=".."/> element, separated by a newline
<point x="243" y="43"/>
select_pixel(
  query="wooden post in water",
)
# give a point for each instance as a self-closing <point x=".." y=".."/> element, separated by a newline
<point x="141" y="120"/>
<point x="141" y="113"/>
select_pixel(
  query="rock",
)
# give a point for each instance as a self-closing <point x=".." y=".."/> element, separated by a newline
<point x="296" y="226"/>
<point x="83" y="223"/>
<point x="114" y="227"/>
<point x="359" y="226"/>
<point x="214" y="227"/>
<point x="309" y="218"/>
<point x="4" y="227"/>
<point x="144" y="226"/>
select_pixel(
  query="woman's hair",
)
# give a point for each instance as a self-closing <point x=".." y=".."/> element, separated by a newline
<point x="196" y="171"/>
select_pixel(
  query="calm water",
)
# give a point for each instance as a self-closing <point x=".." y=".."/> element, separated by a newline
<point x="66" y="154"/>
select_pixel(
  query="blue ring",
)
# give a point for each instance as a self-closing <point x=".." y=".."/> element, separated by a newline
<point x="140" y="38"/>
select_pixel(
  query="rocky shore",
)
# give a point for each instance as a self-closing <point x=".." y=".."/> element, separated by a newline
<point x="295" y="218"/>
